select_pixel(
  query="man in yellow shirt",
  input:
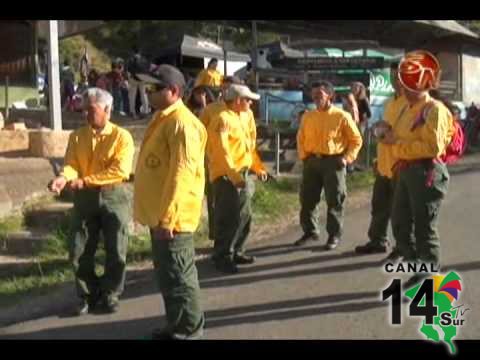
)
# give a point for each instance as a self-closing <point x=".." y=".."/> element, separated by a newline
<point x="97" y="163"/>
<point x="211" y="111"/>
<point x="214" y="108"/>
<point x="420" y="137"/>
<point x="231" y="149"/>
<point x="210" y="76"/>
<point x="328" y="140"/>
<point x="384" y="185"/>
<point x="169" y="186"/>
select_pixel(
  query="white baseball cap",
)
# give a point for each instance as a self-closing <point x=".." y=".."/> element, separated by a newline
<point x="237" y="90"/>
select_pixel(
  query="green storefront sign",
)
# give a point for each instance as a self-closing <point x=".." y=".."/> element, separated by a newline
<point x="380" y="83"/>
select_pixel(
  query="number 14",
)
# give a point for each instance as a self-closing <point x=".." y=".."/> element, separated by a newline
<point x="429" y="310"/>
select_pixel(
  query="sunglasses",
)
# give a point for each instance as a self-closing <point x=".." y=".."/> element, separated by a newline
<point x="156" y="88"/>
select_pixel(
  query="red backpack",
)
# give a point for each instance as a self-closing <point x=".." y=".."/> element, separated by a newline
<point x="456" y="148"/>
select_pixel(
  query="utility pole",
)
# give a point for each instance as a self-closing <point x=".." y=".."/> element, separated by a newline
<point x="55" y="105"/>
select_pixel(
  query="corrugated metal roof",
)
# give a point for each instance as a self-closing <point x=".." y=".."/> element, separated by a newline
<point x="389" y="33"/>
<point x="450" y="25"/>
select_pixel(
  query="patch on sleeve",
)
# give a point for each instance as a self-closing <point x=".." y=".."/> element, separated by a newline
<point x="152" y="161"/>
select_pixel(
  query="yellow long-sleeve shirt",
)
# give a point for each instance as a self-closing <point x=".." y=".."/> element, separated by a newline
<point x="170" y="174"/>
<point x="426" y="141"/>
<point x="231" y="145"/>
<point x="99" y="159"/>
<point x="257" y="165"/>
<point x="209" y="77"/>
<point x="385" y="159"/>
<point x="330" y="132"/>
<point x="210" y="111"/>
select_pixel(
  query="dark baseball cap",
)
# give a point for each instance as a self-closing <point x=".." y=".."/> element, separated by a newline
<point x="164" y="75"/>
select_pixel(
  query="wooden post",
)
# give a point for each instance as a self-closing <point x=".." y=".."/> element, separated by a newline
<point x="254" y="53"/>
<point x="224" y="52"/>
<point x="6" y="98"/>
<point x="267" y="112"/>
<point x="277" y="153"/>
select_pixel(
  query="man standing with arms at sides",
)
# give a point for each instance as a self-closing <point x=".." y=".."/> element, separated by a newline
<point x="328" y="140"/>
<point x="383" y="187"/>
<point x="230" y="157"/>
<point x="135" y="65"/>
<point x="169" y="185"/>
<point x="98" y="161"/>
<point x="211" y="111"/>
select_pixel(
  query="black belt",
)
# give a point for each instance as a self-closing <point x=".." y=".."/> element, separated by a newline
<point x="324" y="156"/>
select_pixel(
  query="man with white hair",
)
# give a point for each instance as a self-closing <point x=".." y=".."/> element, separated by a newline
<point x="98" y="161"/>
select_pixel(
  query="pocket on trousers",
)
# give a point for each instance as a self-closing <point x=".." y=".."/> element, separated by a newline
<point x="441" y="179"/>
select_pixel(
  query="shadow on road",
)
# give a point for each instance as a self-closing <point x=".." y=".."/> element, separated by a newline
<point x="296" y="313"/>
<point x="282" y="310"/>
<point x="281" y="250"/>
<point x="242" y="280"/>
<point x="297" y="262"/>
<point x="140" y="283"/>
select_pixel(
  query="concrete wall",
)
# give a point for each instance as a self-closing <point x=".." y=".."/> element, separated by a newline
<point x="13" y="141"/>
<point x="22" y="179"/>
<point x="46" y="143"/>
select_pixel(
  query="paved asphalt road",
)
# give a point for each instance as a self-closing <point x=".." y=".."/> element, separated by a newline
<point x="294" y="293"/>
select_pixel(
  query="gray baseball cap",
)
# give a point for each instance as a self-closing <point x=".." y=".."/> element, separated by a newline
<point x="166" y="75"/>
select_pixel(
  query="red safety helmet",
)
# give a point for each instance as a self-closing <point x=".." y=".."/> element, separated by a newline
<point x="419" y="71"/>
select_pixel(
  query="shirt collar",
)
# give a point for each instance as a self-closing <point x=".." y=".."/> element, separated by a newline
<point x="328" y="111"/>
<point x="107" y="130"/>
<point x="175" y="106"/>
<point x="421" y="103"/>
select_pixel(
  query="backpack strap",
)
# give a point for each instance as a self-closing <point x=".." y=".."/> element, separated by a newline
<point x="422" y="116"/>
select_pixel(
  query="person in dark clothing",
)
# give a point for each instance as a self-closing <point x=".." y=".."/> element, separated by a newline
<point x="135" y="65"/>
<point x="115" y="83"/>
<point x="199" y="99"/>
<point x="359" y="92"/>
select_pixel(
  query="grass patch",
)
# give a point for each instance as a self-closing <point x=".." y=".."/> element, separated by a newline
<point x="37" y="202"/>
<point x="274" y="198"/>
<point x="17" y="93"/>
<point x="282" y="197"/>
<point x="200" y="237"/>
<point x="12" y="223"/>
<point x="360" y="180"/>
<point x="52" y="268"/>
